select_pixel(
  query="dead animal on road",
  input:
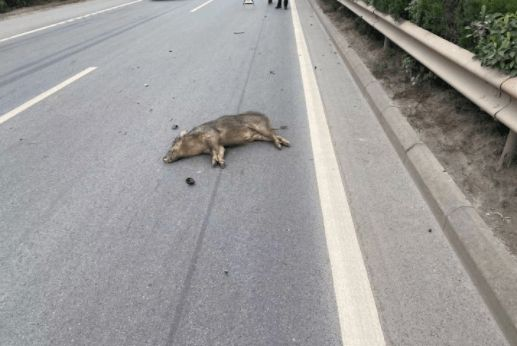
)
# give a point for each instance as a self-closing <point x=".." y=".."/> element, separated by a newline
<point x="229" y="130"/>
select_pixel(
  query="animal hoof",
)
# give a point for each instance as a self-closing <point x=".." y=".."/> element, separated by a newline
<point x="222" y="164"/>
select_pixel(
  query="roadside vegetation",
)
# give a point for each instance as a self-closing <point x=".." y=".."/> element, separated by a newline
<point x="9" y="5"/>
<point x="488" y="28"/>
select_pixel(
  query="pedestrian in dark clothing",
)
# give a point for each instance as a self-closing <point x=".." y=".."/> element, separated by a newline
<point x="279" y="4"/>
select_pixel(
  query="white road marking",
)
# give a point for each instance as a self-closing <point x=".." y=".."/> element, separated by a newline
<point x="44" y="95"/>
<point x="358" y="316"/>
<point x="68" y="21"/>
<point x="200" y="6"/>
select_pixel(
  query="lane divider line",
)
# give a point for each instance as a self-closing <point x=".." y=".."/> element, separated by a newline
<point x="200" y="6"/>
<point x="44" y="95"/>
<point x="358" y="316"/>
<point x="68" y="21"/>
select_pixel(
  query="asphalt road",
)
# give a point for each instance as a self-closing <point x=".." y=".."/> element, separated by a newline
<point x="103" y="244"/>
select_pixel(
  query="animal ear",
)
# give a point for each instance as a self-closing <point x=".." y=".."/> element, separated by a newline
<point x="183" y="133"/>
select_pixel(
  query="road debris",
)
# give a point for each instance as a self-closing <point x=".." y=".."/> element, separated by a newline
<point x="190" y="181"/>
<point x="174" y="127"/>
<point x="238" y="32"/>
<point x="506" y="219"/>
<point x="146" y="85"/>
<point x="283" y="127"/>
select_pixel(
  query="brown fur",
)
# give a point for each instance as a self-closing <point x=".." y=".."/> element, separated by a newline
<point x="229" y="130"/>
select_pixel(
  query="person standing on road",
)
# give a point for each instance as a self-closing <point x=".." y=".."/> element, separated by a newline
<point x="279" y="4"/>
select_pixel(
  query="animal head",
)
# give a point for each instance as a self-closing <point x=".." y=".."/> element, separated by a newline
<point x="175" y="152"/>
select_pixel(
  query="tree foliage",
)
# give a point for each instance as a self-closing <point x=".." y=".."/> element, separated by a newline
<point x="495" y="36"/>
<point x="486" y="27"/>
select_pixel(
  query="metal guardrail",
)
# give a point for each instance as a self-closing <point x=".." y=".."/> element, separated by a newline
<point x="493" y="92"/>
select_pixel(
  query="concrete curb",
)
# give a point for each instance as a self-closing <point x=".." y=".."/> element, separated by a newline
<point x="492" y="269"/>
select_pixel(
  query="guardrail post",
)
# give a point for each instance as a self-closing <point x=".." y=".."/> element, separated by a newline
<point x="509" y="151"/>
<point x="386" y="43"/>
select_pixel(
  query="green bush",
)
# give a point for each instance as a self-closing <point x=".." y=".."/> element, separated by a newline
<point x="7" y="5"/>
<point x="397" y="8"/>
<point x="437" y="16"/>
<point x="495" y="36"/>
<point x="416" y="72"/>
<point x="18" y="3"/>
<point x="469" y="11"/>
<point x="428" y="14"/>
<point x="445" y="18"/>
<point x="486" y="27"/>
<point x="3" y="6"/>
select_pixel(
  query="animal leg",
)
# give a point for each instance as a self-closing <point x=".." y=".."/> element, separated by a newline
<point x="217" y="152"/>
<point x="283" y="141"/>
<point x="260" y="137"/>
<point x="214" y="153"/>
<point x="220" y="156"/>
<point x="271" y="136"/>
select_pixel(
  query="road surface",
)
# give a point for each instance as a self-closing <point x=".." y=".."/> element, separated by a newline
<point x="101" y="243"/>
